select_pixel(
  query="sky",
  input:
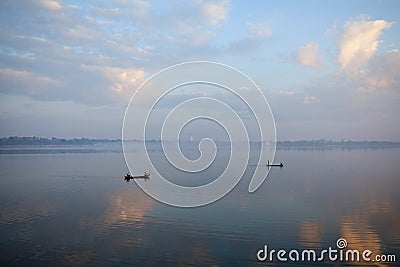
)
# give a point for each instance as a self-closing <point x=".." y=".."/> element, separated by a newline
<point x="329" y="69"/>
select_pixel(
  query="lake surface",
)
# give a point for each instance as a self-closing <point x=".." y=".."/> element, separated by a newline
<point x="73" y="208"/>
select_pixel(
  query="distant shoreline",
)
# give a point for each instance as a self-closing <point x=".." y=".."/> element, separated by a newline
<point x="15" y="141"/>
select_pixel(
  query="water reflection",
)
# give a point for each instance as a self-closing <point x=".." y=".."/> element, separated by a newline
<point x="126" y="208"/>
<point x="360" y="234"/>
<point x="79" y="258"/>
<point x="382" y="211"/>
<point x="22" y="213"/>
<point x="310" y="234"/>
<point x="76" y="210"/>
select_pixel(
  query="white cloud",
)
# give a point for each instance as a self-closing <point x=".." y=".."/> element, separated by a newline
<point x="50" y="4"/>
<point x="309" y="99"/>
<point x="79" y="33"/>
<point x="285" y="93"/>
<point x="358" y="42"/>
<point x="261" y="29"/>
<point x="141" y="9"/>
<point x="253" y="41"/>
<point x="308" y="55"/>
<point x="332" y="107"/>
<point x="216" y="12"/>
<point x="384" y="70"/>
<point x="122" y="81"/>
<point x="26" y="81"/>
<point x="93" y="37"/>
<point x="136" y="8"/>
<point x="193" y="34"/>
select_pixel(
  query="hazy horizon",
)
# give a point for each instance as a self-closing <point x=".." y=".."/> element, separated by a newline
<point x="197" y="140"/>
<point x="328" y="69"/>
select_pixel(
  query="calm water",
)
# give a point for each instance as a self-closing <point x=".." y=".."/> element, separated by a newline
<point x="73" y="208"/>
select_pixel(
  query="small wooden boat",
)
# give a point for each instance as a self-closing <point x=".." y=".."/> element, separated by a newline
<point x="275" y="165"/>
<point x="128" y="176"/>
<point x="145" y="176"/>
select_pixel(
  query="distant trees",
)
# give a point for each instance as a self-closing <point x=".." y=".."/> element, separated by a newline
<point x="330" y="143"/>
<point x="40" y="141"/>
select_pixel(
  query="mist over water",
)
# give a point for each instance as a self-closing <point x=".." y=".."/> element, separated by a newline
<point x="75" y="209"/>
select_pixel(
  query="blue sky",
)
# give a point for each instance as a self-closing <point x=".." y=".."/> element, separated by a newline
<point x="330" y="69"/>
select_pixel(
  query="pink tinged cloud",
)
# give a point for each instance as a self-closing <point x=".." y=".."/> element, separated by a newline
<point x="215" y="12"/>
<point x="384" y="70"/>
<point x="308" y="55"/>
<point x="29" y="82"/>
<point x="122" y="81"/>
<point x="51" y="5"/>
<point x="358" y="42"/>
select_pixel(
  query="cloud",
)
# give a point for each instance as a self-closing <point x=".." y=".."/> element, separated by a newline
<point x="79" y="33"/>
<point x="122" y="82"/>
<point x="308" y="55"/>
<point x="358" y="42"/>
<point x="25" y="81"/>
<point x="141" y="9"/>
<point x="333" y="107"/>
<point x="285" y="93"/>
<point x="118" y="40"/>
<point x="261" y="29"/>
<point x="310" y="99"/>
<point x="253" y="41"/>
<point x="193" y="35"/>
<point x="216" y="12"/>
<point x="384" y="71"/>
<point x="51" y="5"/>
<point x="137" y="8"/>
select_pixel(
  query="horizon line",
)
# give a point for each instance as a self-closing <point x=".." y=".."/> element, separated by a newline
<point x="159" y="140"/>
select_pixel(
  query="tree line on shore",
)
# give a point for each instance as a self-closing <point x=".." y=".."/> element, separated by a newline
<point x="43" y="141"/>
